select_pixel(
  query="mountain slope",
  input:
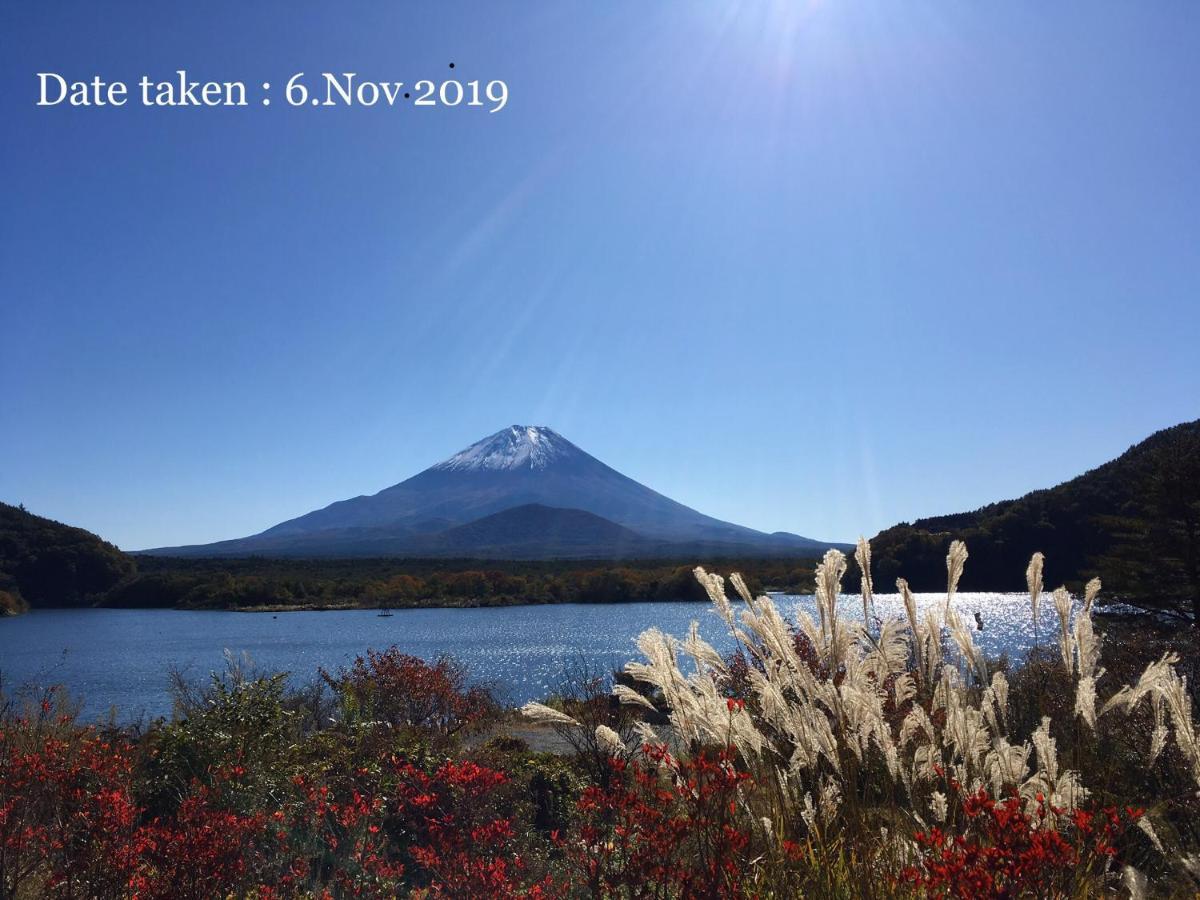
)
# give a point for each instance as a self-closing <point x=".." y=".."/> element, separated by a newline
<point x="46" y="563"/>
<point x="518" y="466"/>
<point x="514" y="467"/>
<point x="1134" y="521"/>
<point x="535" y="531"/>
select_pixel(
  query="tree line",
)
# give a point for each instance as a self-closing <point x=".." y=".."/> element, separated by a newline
<point x="44" y="563"/>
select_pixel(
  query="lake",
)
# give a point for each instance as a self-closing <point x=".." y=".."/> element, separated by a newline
<point x="120" y="658"/>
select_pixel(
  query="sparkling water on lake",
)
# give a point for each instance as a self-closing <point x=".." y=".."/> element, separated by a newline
<point x="121" y="658"/>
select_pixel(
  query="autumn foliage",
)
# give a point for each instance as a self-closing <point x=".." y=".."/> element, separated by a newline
<point x="406" y="692"/>
<point x="669" y="826"/>
<point x="71" y="825"/>
<point x="1004" y="850"/>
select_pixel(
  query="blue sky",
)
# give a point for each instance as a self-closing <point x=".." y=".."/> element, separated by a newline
<point x="819" y="267"/>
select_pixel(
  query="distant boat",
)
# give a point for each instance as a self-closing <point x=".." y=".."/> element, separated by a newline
<point x="385" y="612"/>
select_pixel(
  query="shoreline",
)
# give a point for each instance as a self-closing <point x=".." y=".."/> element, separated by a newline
<point x="1114" y="609"/>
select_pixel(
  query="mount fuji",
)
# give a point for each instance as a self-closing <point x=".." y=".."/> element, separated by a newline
<point x="525" y="492"/>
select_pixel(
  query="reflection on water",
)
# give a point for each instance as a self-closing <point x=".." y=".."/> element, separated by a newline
<point x="120" y="658"/>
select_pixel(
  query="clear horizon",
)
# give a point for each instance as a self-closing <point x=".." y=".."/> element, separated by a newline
<point x="809" y="267"/>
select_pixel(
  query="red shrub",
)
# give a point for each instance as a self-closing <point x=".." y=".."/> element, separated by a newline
<point x="363" y="831"/>
<point x="338" y="837"/>
<point x="67" y="814"/>
<point x="670" y="826"/>
<point x="408" y="692"/>
<point x="202" y="851"/>
<point x="463" y="847"/>
<point x="1005" y="852"/>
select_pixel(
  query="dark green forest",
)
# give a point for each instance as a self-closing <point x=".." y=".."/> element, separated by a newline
<point x="400" y="583"/>
<point x="1134" y="522"/>
<point x="44" y="563"/>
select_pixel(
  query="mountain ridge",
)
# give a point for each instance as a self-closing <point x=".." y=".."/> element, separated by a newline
<point x="522" y="465"/>
<point x="1134" y="521"/>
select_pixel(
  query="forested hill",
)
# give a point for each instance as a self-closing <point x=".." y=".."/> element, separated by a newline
<point x="46" y="563"/>
<point x="1134" y="521"/>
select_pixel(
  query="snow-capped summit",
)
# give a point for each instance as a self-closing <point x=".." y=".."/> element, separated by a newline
<point x="515" y="447"/>
<point x="523" y="491"/>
